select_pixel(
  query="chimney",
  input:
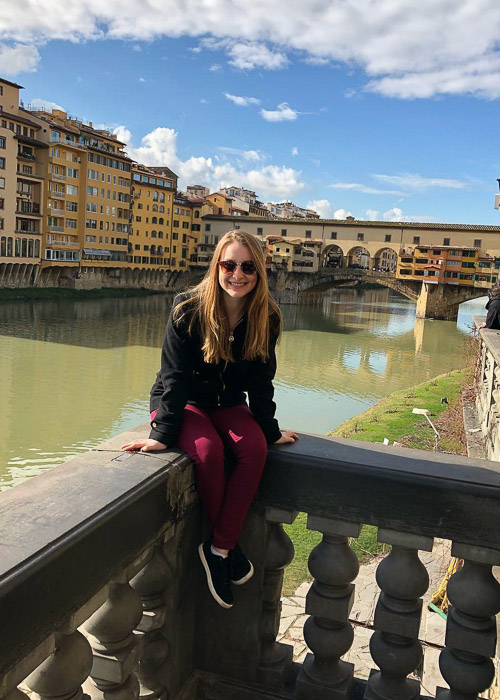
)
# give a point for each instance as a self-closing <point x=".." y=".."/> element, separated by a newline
<point x="350" y="218"/>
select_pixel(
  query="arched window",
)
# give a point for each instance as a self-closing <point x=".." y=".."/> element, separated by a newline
<point x="160" y="220"/>
<point x="10" y="247"/>
<point x="162" y="196"/>
<point x="162" y="208"/>
<point x="160" y="234"/>
<point x="160" y="250"/>
<point x="3" y="246"/>
<point x="197" y="214"/>
<point x="152" y="250"/>
<point x="154" y="220"/>
<point x="37" y="248"/>
<point x="17" y="245"/>
<point x="24" y="248"/>
<point x="153" y="234"/>
<point x="30" y="248"/>
<point x="155" y="207"/>
<point x="155" y="196"/>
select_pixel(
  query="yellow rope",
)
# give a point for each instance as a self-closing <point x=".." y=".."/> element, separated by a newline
<point x="440" y="597"/>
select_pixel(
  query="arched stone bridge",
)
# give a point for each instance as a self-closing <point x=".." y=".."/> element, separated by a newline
<point x="440" y="301"/>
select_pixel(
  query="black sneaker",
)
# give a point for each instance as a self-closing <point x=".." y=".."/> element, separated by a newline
<point x="241" y="569"/>
<point x="217" y="571"/>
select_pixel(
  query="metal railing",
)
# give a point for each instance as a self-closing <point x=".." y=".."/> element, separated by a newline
<point x="100" y="584"/>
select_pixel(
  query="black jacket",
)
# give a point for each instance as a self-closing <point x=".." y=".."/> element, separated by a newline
<point x="185" y="378"/>
<point x="493" y="316"/>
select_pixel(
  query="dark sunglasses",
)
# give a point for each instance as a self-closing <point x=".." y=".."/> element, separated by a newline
<point x="247" y="267"/>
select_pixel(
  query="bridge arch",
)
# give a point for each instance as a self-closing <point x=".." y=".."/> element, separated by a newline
<point x="358" y="256"/>
<point x="385" y="260"/>
<point x="333" y="256"/>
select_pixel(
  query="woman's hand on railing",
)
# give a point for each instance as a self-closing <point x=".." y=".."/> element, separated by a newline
<point x="144" y="445"/>
<point x="287" y="436"/>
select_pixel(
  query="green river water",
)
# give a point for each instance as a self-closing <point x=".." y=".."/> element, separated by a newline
<point x="73" y="373"/>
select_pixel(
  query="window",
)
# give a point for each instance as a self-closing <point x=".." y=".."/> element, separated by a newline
<point x="208" y="227"/>
<point x="477" y="242"/>
<point x="71" y="189"/>
<point x="2" y="141"/>
<point x="92" y="174"/>
<point x="90" y="239"/>
<point x="308" y="234"/>
<point x="72" y="172"/>
<point x="92" y="191"/>
<point x="446" y="241"/>
<point x="71" y="206"/>
<point x="71" y="223"/>
<point x="185" y="224"/>
<point x="260" y="230"/>
<point x="388" y="237"/>
<point x="416" y="240"/>
<point x="2" y="163"/>
<point x="283" y="231"/>
<point x="92" y="207"/>
<point x="469" y="254"/>
<point x="2" y="183"/>
<point x="91" y="223"/>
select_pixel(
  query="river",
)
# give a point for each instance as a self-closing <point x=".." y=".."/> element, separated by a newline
<point x="73" y="373"/>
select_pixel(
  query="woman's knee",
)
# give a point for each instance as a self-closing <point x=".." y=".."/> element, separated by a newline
<point x="209" y="451"/>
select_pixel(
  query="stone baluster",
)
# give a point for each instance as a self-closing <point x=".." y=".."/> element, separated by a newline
<point x="62" y="673"/>
<point x="116" y="649"/>
<point x="150" y="583"/>
<point x="275" y="658"/>
<point x="394" y="646"/>
<point x="471" y="636"/>
<point x="328" y="633"/>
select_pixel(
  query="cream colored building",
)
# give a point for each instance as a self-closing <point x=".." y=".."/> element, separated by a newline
<point x="22" y="179"/>
<point x="347" y="238"/>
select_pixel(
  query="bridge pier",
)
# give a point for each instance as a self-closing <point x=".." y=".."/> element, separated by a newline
<point x="441" y="301"/>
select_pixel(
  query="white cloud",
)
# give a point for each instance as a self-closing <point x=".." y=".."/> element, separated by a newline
<point x="215" y="67"/>
<point x="341" y="214"/>
<point x="203" y="100"/>
<point x="372" y="215"/>
<point x="159" y="147"/>
<point x="414" y="181"/>
<point x="357" y="187"/>
<point x="18" y="59"/>
<point x="46" y="105"/>
<point x="295" y="151"/>
<point x="454" y="46"/>
<point x="282" y="113"/>
<point x="137" y="47"/>
<point x="317" y="61"/>
<point x="396" y="214"/>
<point x="141" y="80"/>
<point x="247" y="56"/>
<point x="242" y="101"/>
<point x="322" y="207"/>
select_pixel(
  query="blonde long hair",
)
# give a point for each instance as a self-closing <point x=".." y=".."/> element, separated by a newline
<point x="207" y="306"/>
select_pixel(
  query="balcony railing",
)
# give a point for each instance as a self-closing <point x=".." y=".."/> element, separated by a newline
<point x="26" y="156"/>
<point x="56" y="212"/>
<point x="58" y="176"/>
<point x="121" y="555"/>
<point x="54" y="193"/>
<point x="56" y="229"/>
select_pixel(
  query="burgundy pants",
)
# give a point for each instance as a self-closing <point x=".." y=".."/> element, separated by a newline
<point x="226" y="500"/>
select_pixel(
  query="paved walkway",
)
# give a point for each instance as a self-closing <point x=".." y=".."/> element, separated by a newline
<point x="432" y="628"/>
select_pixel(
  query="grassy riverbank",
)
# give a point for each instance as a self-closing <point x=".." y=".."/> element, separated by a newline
<point x="53" y="293"/>
<point x="392" y="418"/>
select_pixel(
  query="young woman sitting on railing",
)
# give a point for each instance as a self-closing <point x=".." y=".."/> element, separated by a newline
<point x="493" y="309"/>
<point x="220" y="343"/>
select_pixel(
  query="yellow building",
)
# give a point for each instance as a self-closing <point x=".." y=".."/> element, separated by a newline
<point x="21" y="190"/>
<point x="87" y="195"/>
<point x="153" y="192"/>
<point x="445" y="265"/>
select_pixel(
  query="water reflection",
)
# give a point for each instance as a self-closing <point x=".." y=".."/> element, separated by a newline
<point x="73" y="373"/>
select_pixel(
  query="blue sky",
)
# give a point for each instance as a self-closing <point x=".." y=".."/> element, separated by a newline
<point x="372" y="107"/>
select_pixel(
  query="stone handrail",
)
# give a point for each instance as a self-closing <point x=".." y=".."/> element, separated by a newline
<point x="100" y="583"/>
<point x="488" y="390"/>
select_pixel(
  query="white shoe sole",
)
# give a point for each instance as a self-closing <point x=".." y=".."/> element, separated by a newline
<point x="245" y="578"/>
<point x="211" y="588"/>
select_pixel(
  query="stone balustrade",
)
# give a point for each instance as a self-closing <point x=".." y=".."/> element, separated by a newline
<point x="488" y="391"/>
<point x="102" y="595"/>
